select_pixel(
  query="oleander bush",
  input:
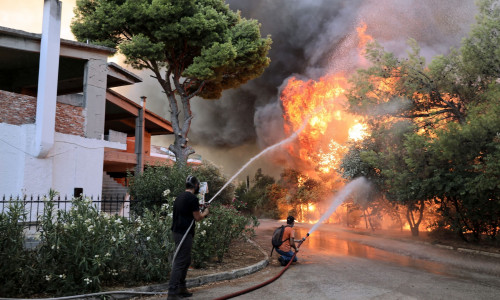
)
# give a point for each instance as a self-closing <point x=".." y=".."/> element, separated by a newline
<point x="84" y="250"/>
<point x="12" y="252"/>
<point x="214" y="235"/>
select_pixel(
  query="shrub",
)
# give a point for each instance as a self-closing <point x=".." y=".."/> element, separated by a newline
<point x="82" y="249"/>
<point x="215" y="234"/>
<point x="215" y="180"/>
<point x="12" y="253"/>
<point x="77" y="246"/>
<point x="148" y="187"/>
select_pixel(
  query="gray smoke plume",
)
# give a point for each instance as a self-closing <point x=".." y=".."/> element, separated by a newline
<point x="313" y="38"/>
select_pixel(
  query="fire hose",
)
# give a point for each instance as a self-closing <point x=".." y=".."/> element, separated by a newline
<point x="260" y="285"/>
<point x="270" y="148"/>
<point x="184" y="236"/>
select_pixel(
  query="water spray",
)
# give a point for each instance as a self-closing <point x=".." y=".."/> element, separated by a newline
<point x="356" y="184"/>
<point x="270" y="148"/>
<point x="339" y="198"/>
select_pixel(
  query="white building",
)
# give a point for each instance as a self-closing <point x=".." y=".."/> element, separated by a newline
<point x="52" y="110"/>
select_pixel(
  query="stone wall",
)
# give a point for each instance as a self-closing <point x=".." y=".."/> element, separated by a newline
<point x="17" y="109"/>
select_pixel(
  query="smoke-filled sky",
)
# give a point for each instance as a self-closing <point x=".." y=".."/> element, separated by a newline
<point x="310" y="38"/>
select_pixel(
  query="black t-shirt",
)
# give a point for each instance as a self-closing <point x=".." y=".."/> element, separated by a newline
<point x="184" y="206"/>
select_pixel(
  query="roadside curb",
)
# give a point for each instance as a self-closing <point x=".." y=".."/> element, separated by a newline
<point x="443" y="246"/>
<point x="204" y="279"/>
<point x="478" y="252"/>
<point x="228" y="275"/>
<point x="465" y="250"/>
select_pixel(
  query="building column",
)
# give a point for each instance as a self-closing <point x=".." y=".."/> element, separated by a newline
<point x="94" y="92"/>
<point x="47" y="78"/>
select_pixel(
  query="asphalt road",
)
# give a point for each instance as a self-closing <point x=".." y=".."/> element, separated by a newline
<point x="337" y="264"/>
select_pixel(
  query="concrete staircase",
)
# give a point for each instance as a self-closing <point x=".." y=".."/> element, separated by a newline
<point x="113" y="194"/>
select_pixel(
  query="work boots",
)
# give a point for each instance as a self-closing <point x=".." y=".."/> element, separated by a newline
<point x="173" y="297"/>
<point x="184" y="293"/>
<point x="282" y="261"/>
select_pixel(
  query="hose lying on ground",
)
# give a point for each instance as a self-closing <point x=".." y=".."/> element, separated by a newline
<point x="258" y="286"/>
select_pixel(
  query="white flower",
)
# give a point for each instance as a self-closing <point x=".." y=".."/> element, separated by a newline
<point x="87" y="280"/>
<point x="91" y="227"/>
<point x="166" y="193"/>
<point x="136" y="242"/>
<point x="96" y="256"/>
<point x="113" y="239"/>
<point x="138" y="228"/>
<point x="148" y="238"/>
<point x="48" y="277"/>
<point x="203" y="233"/>
<point x="118" y="221"/>
<point x="107" y="254"/>
<point x="62" y="276"/>
<point x="114" y="272"/>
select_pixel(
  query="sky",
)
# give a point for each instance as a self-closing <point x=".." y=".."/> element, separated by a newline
<point x="311" y="38"/>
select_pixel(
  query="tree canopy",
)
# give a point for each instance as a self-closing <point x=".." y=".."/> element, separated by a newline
<point x="440" y="91"/>
<point x="435" y="129"/>
<point x="193" y="47"/>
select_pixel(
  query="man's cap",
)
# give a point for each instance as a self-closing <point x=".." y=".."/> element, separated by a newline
<point x="191" y="182"/>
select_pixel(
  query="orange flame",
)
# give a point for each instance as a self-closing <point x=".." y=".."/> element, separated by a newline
<point x="363" y="37"/>
<point x="329" y="126"/>
<point x="322" y="102"/>
<point x="322" y="143"/>
<point x="358" y="132"/>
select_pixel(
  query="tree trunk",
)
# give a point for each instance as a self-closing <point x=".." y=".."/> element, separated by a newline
<point x="181" y="150"/>
<point x="180" y="146"/>
<point x="366" y="221"/>
<point x="414" y="224"/>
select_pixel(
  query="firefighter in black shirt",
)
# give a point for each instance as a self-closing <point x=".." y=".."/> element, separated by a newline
<point x="186" y="209"/>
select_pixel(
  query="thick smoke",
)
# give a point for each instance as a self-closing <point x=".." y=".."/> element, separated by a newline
<point x="313" y="38"/>
<point x="305" y="34"/>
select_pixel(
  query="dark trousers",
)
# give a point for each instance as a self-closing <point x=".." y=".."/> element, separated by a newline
<point x="181" y="263"/>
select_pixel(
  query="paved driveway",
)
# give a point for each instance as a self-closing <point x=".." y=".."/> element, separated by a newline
<point x="338" y="264"/>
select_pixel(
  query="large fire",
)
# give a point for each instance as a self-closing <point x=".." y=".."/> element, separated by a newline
<point x="322" y="103"/>
<point x="323" y="142"/>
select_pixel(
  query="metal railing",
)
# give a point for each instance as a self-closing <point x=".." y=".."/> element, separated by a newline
<point x="34" y="205"/>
